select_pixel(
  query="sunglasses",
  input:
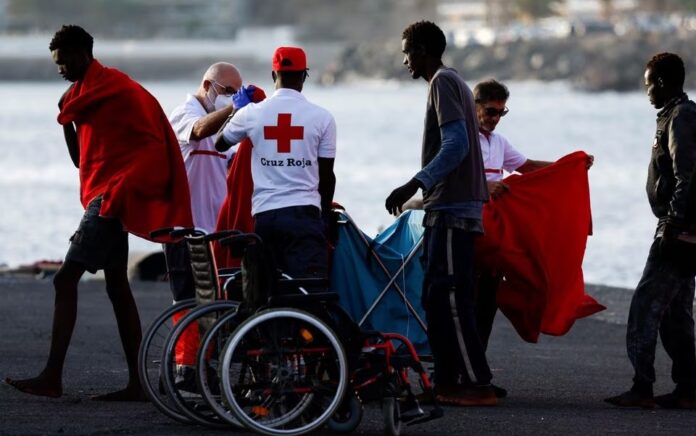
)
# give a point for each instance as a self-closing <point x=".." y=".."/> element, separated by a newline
<point x="226" y="90"/>
<point x="491" y="111"/>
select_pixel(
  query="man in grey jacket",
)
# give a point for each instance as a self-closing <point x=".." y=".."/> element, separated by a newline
<point x="663" y="300"/>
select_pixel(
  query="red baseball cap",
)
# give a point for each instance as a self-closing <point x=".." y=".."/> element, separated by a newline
<point x="289" y="59"/>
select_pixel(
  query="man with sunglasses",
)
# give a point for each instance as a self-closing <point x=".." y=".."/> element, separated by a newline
<point x="498" y="154"/>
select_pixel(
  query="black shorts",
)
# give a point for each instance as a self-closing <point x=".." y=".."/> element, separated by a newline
<point x="99" y="242"/>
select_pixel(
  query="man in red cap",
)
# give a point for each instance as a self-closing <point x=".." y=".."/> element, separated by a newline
<point x="294" y="145"/>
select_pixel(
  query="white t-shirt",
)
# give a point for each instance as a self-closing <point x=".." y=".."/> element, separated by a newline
<point x="498" y="156"/>
<point x="289" y="134"/>
<point x="206" y="167"/>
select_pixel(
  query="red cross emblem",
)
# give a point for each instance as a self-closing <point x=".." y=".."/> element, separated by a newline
<point x="284" y="132"/>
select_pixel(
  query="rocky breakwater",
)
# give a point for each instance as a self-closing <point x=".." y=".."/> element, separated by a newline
<point x="591" y="63"/>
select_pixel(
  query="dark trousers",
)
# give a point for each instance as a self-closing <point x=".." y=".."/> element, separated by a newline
<point x="448" y="300"/>
<point x="487" y="284"/>
<point x="295" y="238"/>
<point x="663" y="303"/>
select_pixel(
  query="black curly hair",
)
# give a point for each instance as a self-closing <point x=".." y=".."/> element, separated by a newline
<point x="426" y="34"/>
<point x="72" y="37"/>
<point x="669" y="67"/>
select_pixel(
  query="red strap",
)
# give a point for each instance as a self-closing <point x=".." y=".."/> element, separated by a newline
<point x="494" y="171"/>
<point x="208" y="153"/>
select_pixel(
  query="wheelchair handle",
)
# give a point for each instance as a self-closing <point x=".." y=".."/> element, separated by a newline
<point x="221" y="235"/>
<point x="167" y="231"/>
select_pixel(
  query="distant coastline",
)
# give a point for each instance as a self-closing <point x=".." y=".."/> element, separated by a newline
<point x="591" y="63"/>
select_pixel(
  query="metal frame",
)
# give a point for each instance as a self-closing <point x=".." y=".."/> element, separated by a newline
<point x="392" y="277"/>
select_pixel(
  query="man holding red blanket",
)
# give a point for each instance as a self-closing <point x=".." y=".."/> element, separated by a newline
<point x="132" y="179"/>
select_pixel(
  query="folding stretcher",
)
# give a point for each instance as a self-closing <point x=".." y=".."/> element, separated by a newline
<point x="379" y="279"/>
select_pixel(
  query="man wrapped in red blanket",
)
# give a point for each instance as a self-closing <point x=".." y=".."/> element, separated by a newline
<point x="128" y="152"/>
<point x="132" y="179"/>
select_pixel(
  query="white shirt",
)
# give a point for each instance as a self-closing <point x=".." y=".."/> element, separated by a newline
<point x="206" y="167"/>
<point x="498" y="155"/>
<point x="289" y="134"/>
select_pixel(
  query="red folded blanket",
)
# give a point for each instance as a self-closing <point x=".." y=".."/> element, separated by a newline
<point x="128" y="152"/>
<point x="536" y="236"/>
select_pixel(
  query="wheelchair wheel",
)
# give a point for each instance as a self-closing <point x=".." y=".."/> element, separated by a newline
<point x="347" y="416"/>
<point x="283" y="372"/>
<point x="391" y="411"/>
<point x="208" y="363"/>
<point x="150" y="360"/>
<point x="178" y="363"/>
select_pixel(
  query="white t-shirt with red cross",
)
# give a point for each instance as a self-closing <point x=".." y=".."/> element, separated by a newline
<point x="206" y="167"/>
<point x="289" y="134"/>
<point x="499" y="156"/>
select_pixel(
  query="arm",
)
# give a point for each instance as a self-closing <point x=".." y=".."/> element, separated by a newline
<point x="454" y="148"/>
<point x="682" y="150"/>
<point x="211" y="123"/>
<point x="327" y="184"/>
<point x="232" y="131"/>
<point x="72" y="142"/>
<point x="531" y="165"/>
<point x="70" y="133"/>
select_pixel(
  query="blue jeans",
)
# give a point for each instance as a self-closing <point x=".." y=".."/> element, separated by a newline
<point x="663" y="303"/>
<point x="449" y="302"/>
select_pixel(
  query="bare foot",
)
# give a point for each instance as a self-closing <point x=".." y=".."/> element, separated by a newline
<point x="41" y="385"/>
<point x="127" y="394"/>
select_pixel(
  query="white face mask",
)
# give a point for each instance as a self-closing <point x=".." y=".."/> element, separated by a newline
<point x="217" y="101"/>
<point x="222" y="101"/>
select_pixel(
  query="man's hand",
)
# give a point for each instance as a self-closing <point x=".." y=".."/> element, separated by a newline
<point x="242" y="97"/>
<point x="250" y="92"/>
<point x="496" y="189"/>
<point x="400" y="195"/>
<point x="590" y="161"/>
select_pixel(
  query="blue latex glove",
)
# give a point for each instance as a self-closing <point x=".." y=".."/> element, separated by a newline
<point x="241" y="98"/>
<point x="250" y="92"/>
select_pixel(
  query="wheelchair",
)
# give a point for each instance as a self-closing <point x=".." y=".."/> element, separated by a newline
<point x="157" y="374"/>
<point x="286" y="359"/>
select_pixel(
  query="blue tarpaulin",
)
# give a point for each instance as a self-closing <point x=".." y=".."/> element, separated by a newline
<point x="359" y="279"/>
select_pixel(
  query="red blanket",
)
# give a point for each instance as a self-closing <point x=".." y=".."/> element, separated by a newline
<point x="235" y="212"/>
<point x="535" y="236"/>
<point x="128" y="152"/>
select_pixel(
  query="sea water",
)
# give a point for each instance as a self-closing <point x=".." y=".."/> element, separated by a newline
<point x="379" y="134"/>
